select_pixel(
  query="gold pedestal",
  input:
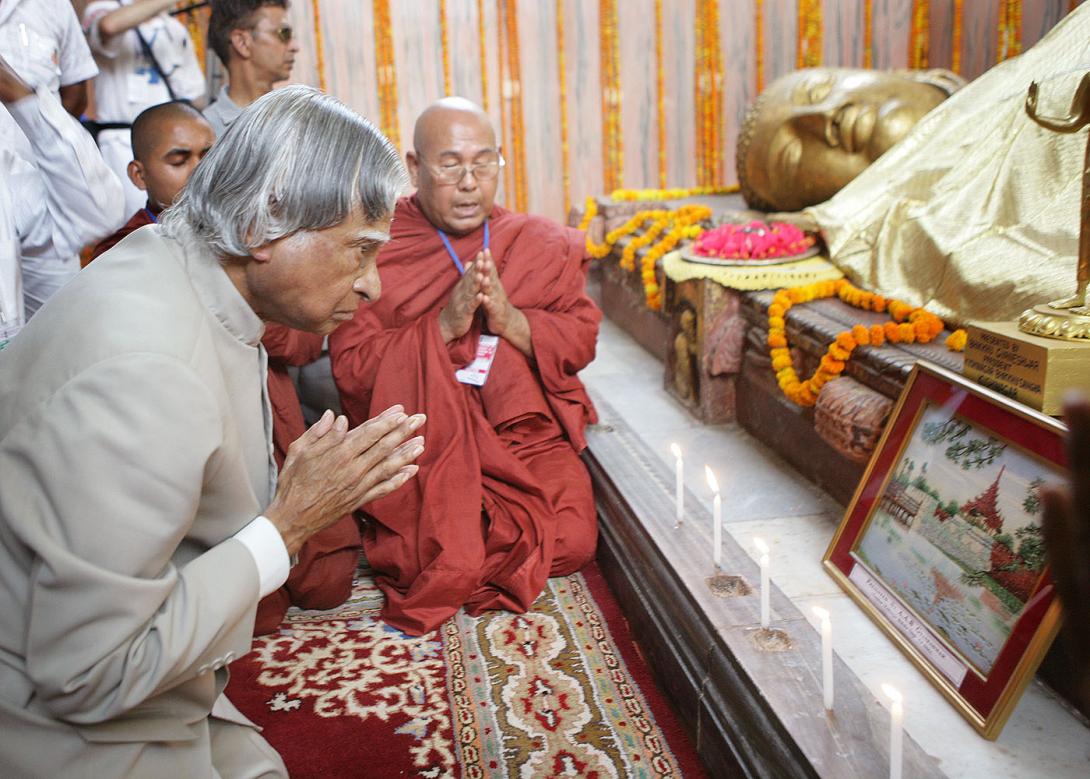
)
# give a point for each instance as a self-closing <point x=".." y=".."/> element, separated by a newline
<point x="1053" y="322"/>
<point x="1032" y="369"/>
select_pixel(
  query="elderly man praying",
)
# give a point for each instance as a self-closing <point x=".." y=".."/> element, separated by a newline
<point x="141" y="518"/>
<point x="484" y="328"/>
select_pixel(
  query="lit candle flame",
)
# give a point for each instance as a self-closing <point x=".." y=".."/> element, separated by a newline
<point x="762" y="547"/>
<point x="892" y="692"/>
<point x="675" y="450"/>
<point x="820" y="613"/>
<point x="712" y="482"/>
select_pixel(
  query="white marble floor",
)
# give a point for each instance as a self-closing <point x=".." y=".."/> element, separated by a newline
<point x="764" y="496"/>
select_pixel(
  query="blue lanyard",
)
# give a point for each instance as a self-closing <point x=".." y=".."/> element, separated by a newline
<point x="450" y="249"/>
<point x="153" y="217"/>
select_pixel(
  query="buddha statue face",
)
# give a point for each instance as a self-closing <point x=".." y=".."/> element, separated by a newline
<point x="814" y="130"/>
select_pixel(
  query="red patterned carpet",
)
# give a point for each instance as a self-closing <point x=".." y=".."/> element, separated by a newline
<point x="557" y="692"/>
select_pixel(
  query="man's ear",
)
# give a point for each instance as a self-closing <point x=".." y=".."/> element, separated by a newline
<point x="413" y="164"/>
<point x="136" y="174"/>
<point x="240" y="43"/>
<point x="261" y="253"/>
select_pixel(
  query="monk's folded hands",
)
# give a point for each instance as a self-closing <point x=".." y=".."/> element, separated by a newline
<point x="457" y="315"/>
<point x="331" y="471"/>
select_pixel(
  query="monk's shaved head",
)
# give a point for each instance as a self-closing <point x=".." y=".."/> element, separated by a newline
<point x="433" y="125"/>
<point x="153" y="124"/>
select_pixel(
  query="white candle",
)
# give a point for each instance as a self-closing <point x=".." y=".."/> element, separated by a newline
<point x="826" y="655"/>
<point x="679" y="482"/>
<point x="766" y="608"/>
<point x="896" y="730"/>
<point x="717" y="517"/>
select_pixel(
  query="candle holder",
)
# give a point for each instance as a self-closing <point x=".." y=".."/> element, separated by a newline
<point x="725" y="585"/>
<point x="771" y="640"/>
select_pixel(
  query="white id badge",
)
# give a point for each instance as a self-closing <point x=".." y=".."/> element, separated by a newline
<point x="476" y="373"/>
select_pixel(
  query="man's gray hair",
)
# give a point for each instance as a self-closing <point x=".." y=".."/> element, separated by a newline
<point x="295" y="160"/>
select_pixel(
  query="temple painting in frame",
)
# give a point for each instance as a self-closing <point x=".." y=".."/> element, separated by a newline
<point x="942" y="544"/>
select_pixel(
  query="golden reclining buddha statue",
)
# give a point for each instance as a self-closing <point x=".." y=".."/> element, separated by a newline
<point x="973" y="212"/>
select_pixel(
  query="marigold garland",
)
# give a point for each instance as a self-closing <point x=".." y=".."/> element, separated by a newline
<point x="660" y="95"/>
<point x="666" y="230"/>
<point x="674" y="193"/>
<point x="589" y="212"/>
<point x="1010" y="30"/>
<point x="919" y="37"/>
<point x="907" y="325"/>
<point x="562" y="76"/>
<point x="505" y="130"/>
<point x="385" y="71"/>
<point x="810" y="34"/>
<point x="955" y="53"/>
<point x="319" y="47"/>
<point x="482" y="49"/>
<point x="759" y="45"/>
<point x="868" y="33"/>
<point x="444" y="44"/>
<point x="708" y="87"/>
<point x="610" y="81"/>
<point x="518" y="132"/>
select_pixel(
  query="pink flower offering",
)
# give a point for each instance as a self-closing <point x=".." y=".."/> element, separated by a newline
<point x="753" y="241"/>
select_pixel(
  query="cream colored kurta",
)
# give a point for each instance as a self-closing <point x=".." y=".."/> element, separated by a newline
<point x="133" y="445"/>
<point x="976" y="213"/>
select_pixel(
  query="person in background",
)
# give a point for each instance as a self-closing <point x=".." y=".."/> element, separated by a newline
<point x="51" y="206"/>
<point x="145" y="57"/>
<point x="256" y="44"/>
<point x="43" y="43"/>
<point x="168" y="140"/>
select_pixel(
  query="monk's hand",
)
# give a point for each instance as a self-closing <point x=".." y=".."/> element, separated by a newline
<point x="457" y="315"/>
<point x="331" y="470"/>
<point x="503" y="319"/>
<point x="12" y="88"/>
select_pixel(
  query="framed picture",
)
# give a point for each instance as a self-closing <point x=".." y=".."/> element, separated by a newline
<point x="942" y="544"/>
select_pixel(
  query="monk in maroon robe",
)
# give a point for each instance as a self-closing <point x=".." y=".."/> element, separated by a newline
<point x="168" y="141"/>
<point x="502" y="500"/>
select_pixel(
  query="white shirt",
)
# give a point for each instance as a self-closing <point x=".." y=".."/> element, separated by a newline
<point x="67" y="197"/>
<point x="43" y="42"/>
<point x="222" y="113"/>
<point x="127" y="82"/>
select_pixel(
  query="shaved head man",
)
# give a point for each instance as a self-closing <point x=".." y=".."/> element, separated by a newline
<point x="483" y="321"/>
<point x="168" y="140"/>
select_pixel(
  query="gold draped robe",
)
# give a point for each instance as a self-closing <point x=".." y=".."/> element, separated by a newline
<point x="975" y="214"/>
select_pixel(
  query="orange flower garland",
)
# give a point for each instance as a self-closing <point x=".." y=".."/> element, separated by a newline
<point x="385" y="71"/>
<point x="666" y="230"/>
<point x="675" y="193"/>
<point x="562" y="75"/>
<point x="759" y="44"/>
<point x="955" y="53"/>
<point x="919" y="38"/>
<point x="518" y="133"/>
<point x="906" y="325"/>
<point x="660" y="94"/>
<point x="708" y="86"/>
<point x="197" y="30"/>
<point x="868" y="33"/>
<point x="444" y="44"/>
<point x="610" y="81"/>
<point x="589" y="213"/>
<point x="1010" y="29"/>
<point x="482" y="44"/>
<point x="810" y="34"/>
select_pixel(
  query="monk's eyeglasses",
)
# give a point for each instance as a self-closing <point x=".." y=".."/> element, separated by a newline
<point x="483" y="170"/>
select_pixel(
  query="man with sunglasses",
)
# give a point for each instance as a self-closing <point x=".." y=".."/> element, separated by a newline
<point x="255" y="42"/>
<point x="483" y="325"/>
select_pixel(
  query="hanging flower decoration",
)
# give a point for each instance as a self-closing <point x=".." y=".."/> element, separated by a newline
<point x="906" y="325"/>
<point x="753" y="241"/>
<point x="589" y="212"/>
<point x="673" y="193"/>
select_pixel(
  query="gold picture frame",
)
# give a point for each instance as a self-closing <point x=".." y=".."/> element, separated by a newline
<point x="941" y="544"/>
